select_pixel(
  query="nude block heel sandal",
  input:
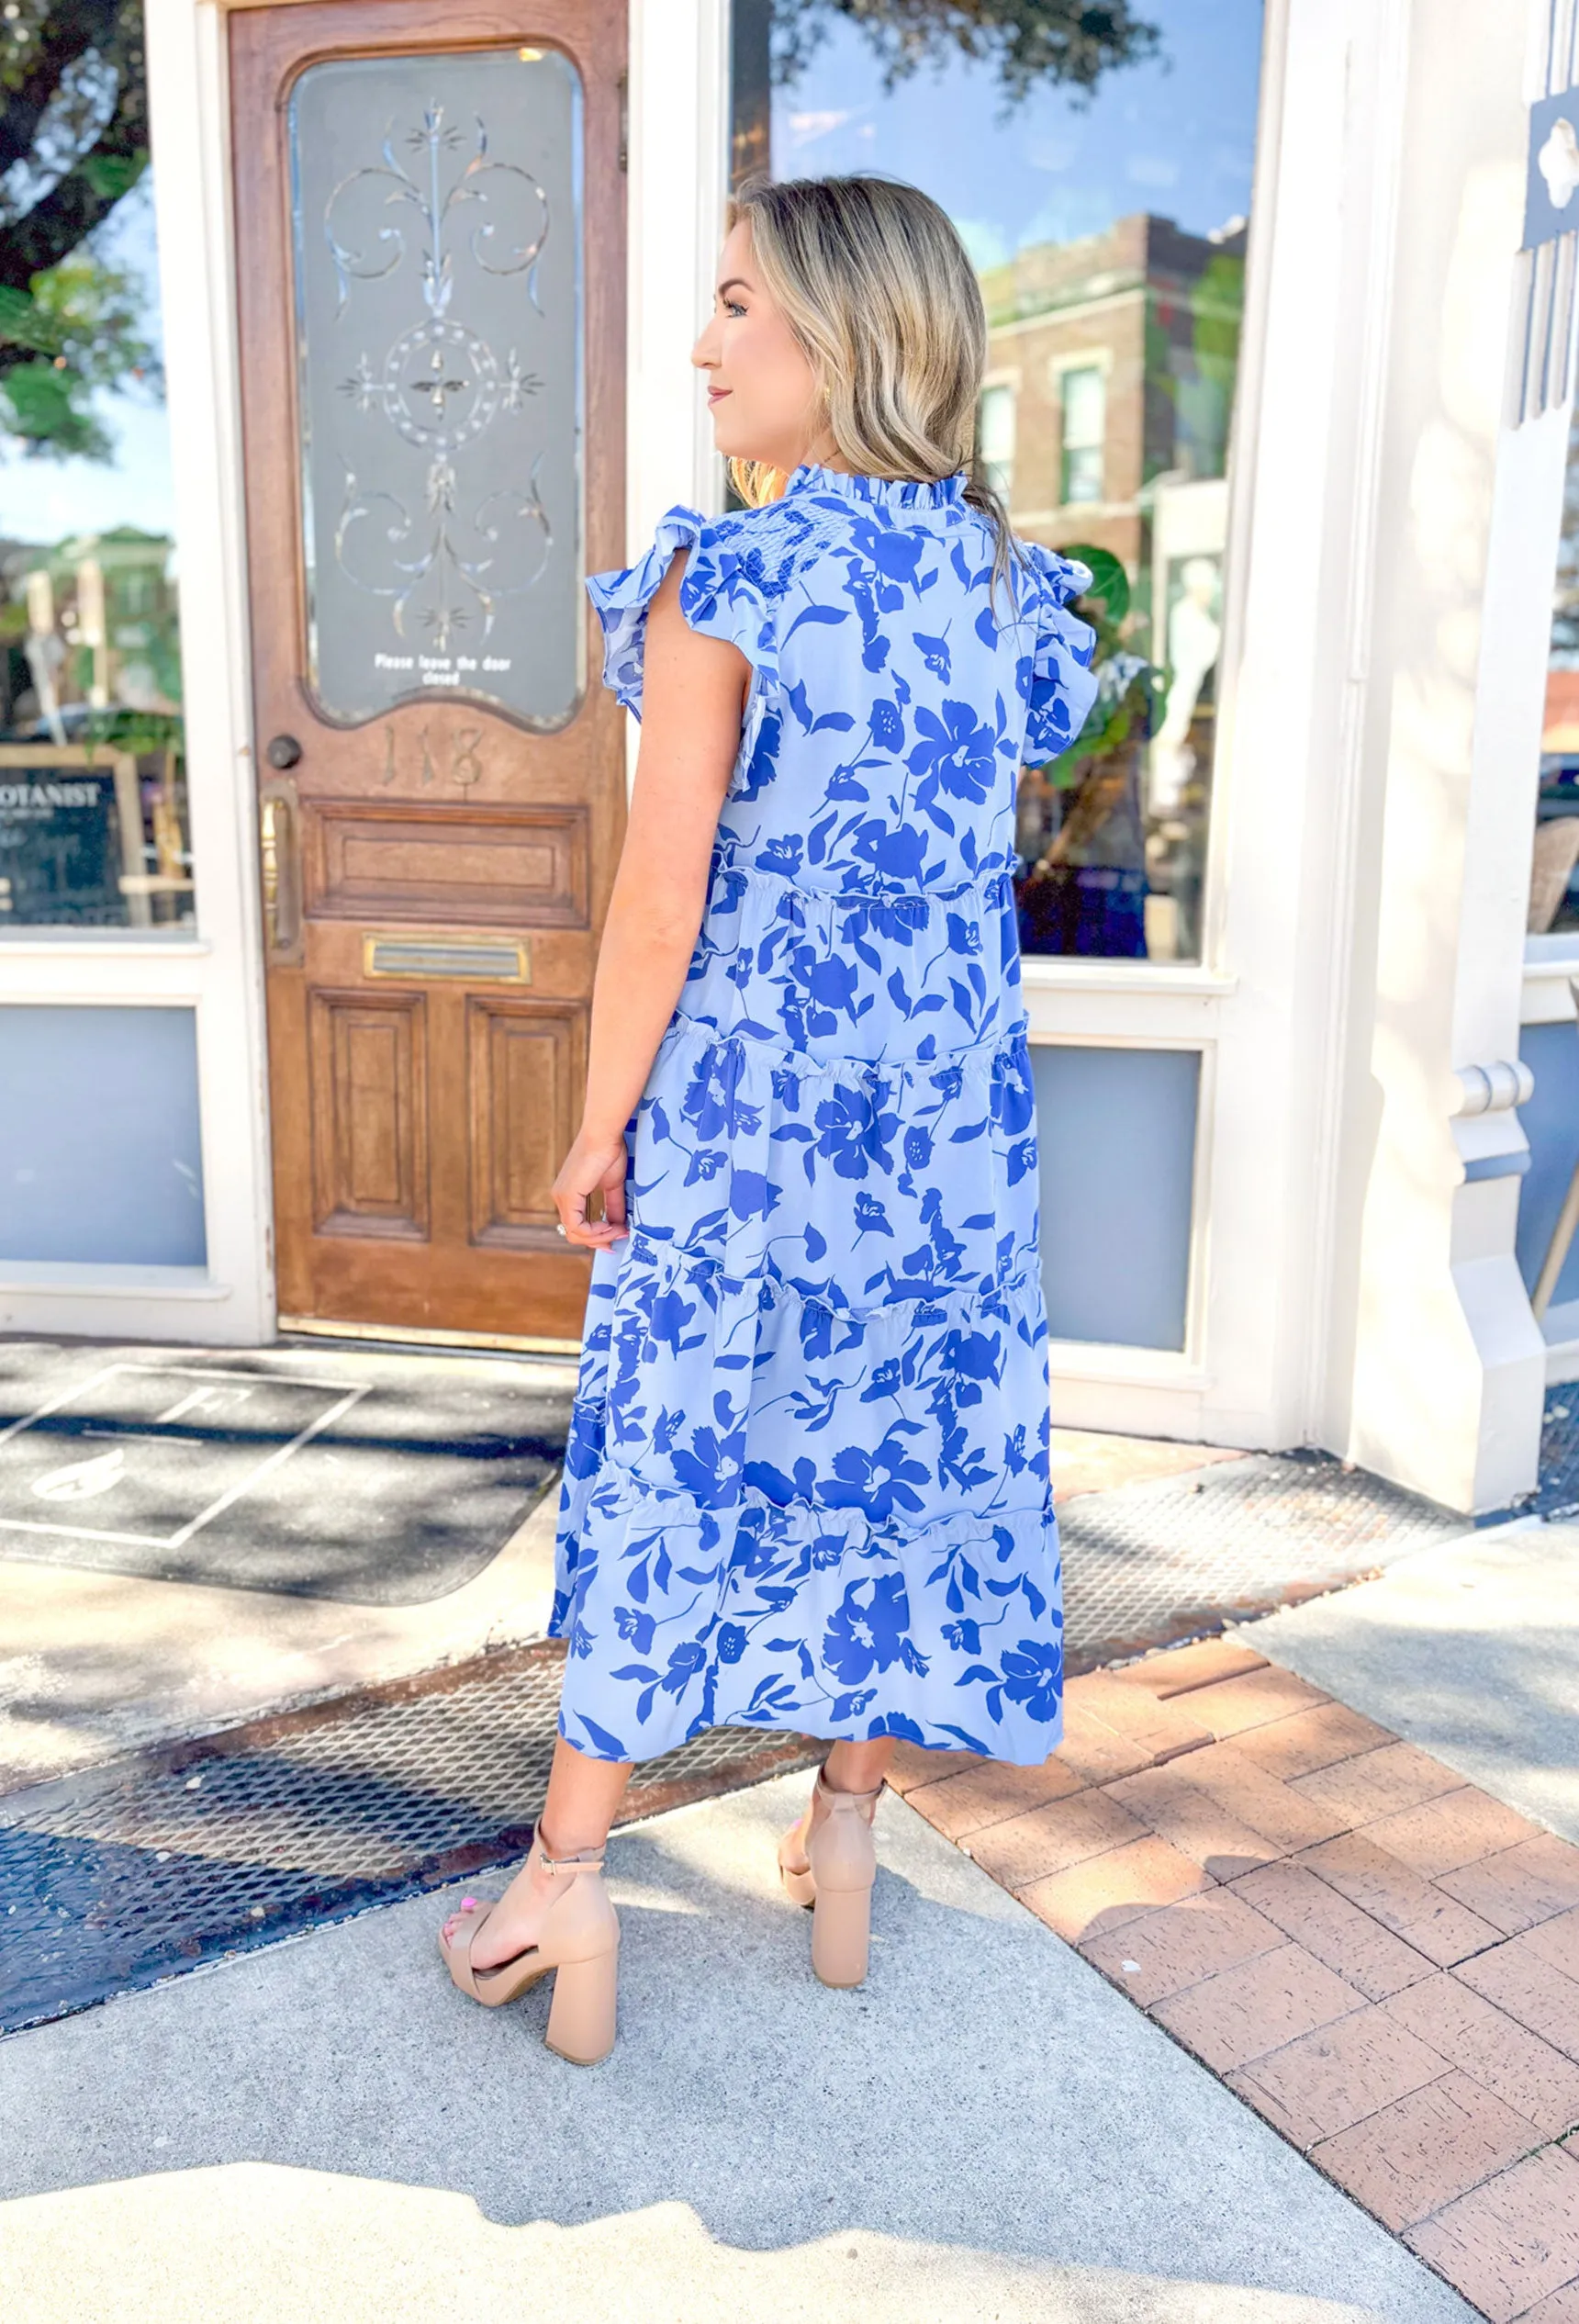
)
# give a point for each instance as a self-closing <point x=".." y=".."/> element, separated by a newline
<point x="836" y="1882"/>
<point x="578" y="1947"/>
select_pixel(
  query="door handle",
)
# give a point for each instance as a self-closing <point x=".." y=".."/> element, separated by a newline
<point x="280" y="854"/>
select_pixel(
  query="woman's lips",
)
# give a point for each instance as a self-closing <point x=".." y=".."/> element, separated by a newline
<point x="716" y="395"/>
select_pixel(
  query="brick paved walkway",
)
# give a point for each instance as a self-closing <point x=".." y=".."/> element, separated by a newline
<point x="1380" y="1959"/>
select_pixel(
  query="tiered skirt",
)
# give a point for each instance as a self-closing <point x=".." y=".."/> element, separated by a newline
<point x="807" y="1480"/>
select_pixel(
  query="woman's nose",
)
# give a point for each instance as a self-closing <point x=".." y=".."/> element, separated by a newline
<point x="705" y="353"/>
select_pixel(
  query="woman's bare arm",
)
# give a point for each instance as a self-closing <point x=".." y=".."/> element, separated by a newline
<point x="693" y="697"/>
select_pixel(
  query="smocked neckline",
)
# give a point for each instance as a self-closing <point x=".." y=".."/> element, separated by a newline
<point x="893" y="493"/>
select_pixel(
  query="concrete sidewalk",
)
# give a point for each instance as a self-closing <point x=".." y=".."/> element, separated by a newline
<point x="96" y="1663"/>
<point x="986" y="2130"/>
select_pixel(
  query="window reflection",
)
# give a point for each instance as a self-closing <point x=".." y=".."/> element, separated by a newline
<point x="1554" y="876"/>
<point x="995" y="434"/>
<point x="1101" y="179"/>
<point x="93" y="793"/>
<point x="1083" y="401"/>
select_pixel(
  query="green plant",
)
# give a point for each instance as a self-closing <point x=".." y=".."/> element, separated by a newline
<point x="1128" y="686"/>
<point x="138" y="731"/>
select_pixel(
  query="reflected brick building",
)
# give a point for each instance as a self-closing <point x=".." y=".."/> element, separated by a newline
<point x="1111" y="378"/>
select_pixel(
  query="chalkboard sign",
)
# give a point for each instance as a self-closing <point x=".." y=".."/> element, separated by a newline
<point x="66" y="836"/>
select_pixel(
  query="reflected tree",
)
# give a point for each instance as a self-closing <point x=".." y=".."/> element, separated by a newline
<point x="1030" y="42"/>
<point x="73" y="144"/>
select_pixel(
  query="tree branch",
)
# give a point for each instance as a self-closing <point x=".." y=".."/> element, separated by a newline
<point x="1072" y="42"/>
<point x="65" y="34"/>
<point x="90" y="190"/>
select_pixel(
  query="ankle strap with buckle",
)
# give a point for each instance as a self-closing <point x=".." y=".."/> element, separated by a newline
<point x="590" y="1858"/>
<point x="832" y="1791"/>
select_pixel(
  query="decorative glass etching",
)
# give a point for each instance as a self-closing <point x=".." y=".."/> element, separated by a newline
<point x="437" y="221"/>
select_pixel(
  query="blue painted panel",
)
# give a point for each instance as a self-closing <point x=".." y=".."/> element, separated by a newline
<point x="1481" y="1166"/>
<point x="99" y="1157"/>
<point x="1116" y="1134"/>
<point x="1551" y="1125"/>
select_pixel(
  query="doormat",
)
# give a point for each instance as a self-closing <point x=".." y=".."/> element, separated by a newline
<point x="378" y="1482"/>
<point x="132" y="1872"/>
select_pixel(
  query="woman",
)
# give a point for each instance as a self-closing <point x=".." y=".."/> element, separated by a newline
<point x="807" y="1481"/>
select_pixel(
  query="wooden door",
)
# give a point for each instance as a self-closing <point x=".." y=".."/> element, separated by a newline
<point x="429" y="219"/>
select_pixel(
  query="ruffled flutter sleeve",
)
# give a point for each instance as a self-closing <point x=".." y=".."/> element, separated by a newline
<point x="720" y="597"/>
<point x="1062" y="684"/>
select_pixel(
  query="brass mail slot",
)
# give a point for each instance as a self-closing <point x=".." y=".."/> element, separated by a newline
<point x="479" y="960"/>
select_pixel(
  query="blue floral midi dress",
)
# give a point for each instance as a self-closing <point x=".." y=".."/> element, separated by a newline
<point x="807" y="1480"/>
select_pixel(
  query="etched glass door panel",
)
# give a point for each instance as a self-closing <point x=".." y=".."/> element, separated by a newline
<point x="436" y="208"/>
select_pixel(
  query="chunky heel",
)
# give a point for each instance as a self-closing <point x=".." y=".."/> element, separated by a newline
<point x="582" y="2018"/>
<point x="578" y="1947"/>
<point x="841" y="1934"/>
<point x="829" y="1861"/>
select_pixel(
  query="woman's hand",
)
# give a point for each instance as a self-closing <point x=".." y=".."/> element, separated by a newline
<point x="595" y="1161"/>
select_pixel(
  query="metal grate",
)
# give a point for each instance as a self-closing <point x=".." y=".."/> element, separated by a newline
<point x="1559" y="1490"/>
<point x="115" y="1878"/>
<point x="1150" y="1564"/>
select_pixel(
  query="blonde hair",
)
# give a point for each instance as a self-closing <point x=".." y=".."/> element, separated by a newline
<point x="878" y="287"/>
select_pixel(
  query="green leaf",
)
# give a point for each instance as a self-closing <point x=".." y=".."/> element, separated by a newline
<point x="23" y="325"/>
<point x="109" y="175"/>
<point x="49" y="408"/>
<point x="1108" y="578"/>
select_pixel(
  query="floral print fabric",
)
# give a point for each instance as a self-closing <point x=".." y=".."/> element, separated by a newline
<point x="807" y="1480"/>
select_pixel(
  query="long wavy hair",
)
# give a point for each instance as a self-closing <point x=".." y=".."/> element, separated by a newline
<point x="878" y="287"/>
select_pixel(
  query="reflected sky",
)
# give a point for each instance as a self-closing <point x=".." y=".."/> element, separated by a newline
<point x="1175" y="136"/>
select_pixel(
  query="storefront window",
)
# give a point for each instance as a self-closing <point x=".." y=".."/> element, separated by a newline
<point x="1554" y="876"/>
<point x="93" y="794"/>
<point x="1098" y="164"/>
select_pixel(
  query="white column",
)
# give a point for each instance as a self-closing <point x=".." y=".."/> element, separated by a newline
<point x="1435" y="1368"/>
